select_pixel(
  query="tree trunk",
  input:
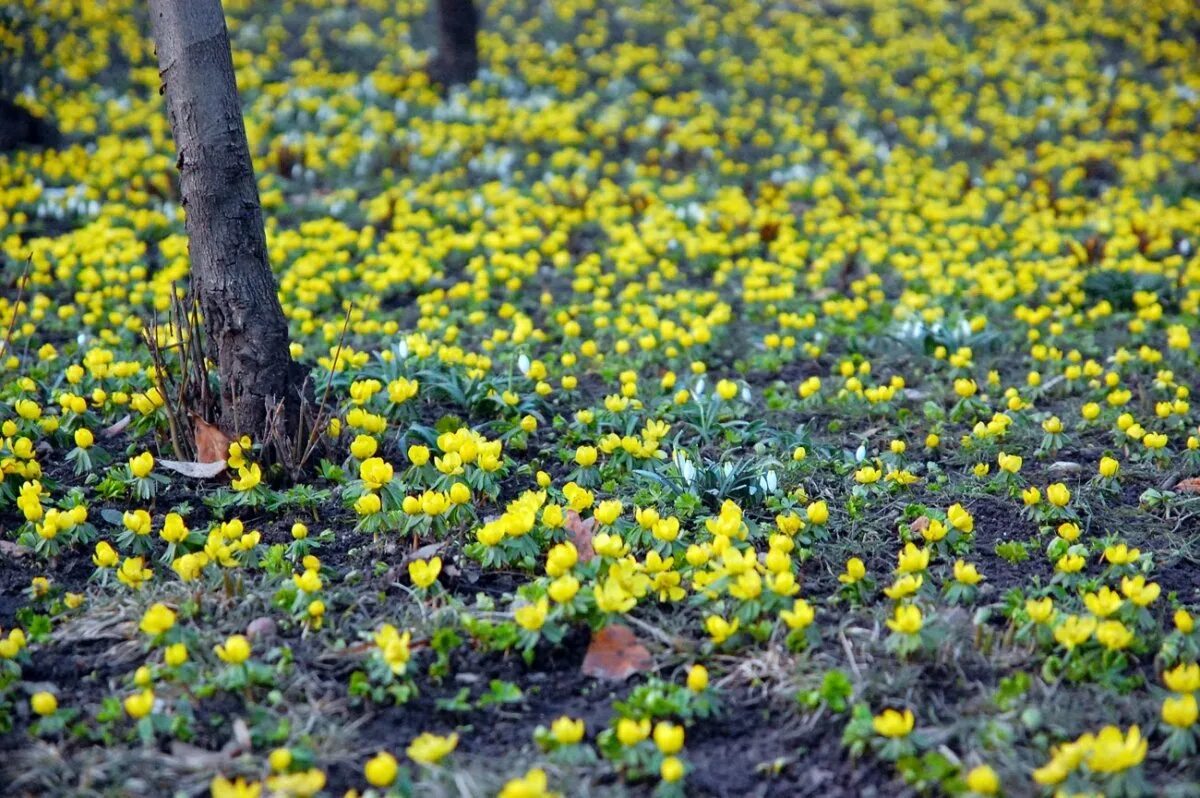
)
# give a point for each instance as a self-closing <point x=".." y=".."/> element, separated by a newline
<point x="231" y="275"/>
<point x="457" y="60"/>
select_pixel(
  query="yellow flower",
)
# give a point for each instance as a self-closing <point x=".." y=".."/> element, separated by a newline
<point x="424" y="573"/>
<point x="668" y="737"/>
<point x="1031" y="496"/>
<point x="1184" y="621"/>
<point x="608" y="511"/>
<point x="381" y="769"/>
<point x="1113" y="752"/>
<point x="966" y="573"/>
<point x="567" y="731"/>
<point x="867" y="475"/>
<point x="175" y="655"/>
<point x="139" y="705"/>
<point x="45" y="703"/>
<point x="631" y="732"/>
<point x="222" y="787"/>
<point x="105" y="556"/>
<point x="799" y="616"/>
<point x="912" y="559"/>
<point x="532" y="785"/>
<point x="727" y="389"/>
<point x="532" y="616"/>
<point x="893" y="723"/>
<point x="983" y="780"/>
<point x="418" y="455"/>
<point x="1074" y="629"/>
<point x="855" y="571"/>
<point x="1113" y="635"/>
<point x="368" y="504"/>
<point x="585" y="456"/>
<point x="1070" y="563"/>
<point x="960" y="519"/>
<point x="375" y="472"/>
<point x="141" y="465"/>
<point x="235" y="650"/>
<point x="1102" y="603"/>
<point x="906" y="619"/>
<point x="671" y="769"/>
<point x="1137" y="591"/>
<point x="697" y="678"/>
<point x="1108" y="467"/>
<point x="1183" y="678"/>
<point x="1058" y="494"/>
<point x="248" y="478"/>
<point x="429" y="749"/>
<point x="904" y="586"/>
<point x="817" y="512"/>
<point x="1180" y="711"/>
<point x="1120" y="554"/>
<point x="363" y="446"/>
<point x="1010" y="463"/>
<point x="84" y="438"/>
<point x="720" y="629"/>
<point x="157" y="619"/>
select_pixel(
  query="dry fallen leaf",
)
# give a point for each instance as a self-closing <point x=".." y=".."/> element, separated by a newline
<point x="615" y="654"/>
<point x="1190" y="485"/>
<point x="194" y="470"/>
<point x="116" y="429"/>
<point x="920" y="524"/>
<point x="581" y="534"/>
<point x="211" y="444"/>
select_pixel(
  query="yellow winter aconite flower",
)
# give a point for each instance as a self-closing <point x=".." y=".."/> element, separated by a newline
<point x="1113" y="635"/>
<point x="381" y="769"/>
<point x="141" y="465"/>
<point x="1184" y="621"/>
<point x="533" y="784"/>
<point x="393" y="647"/>
<point x="983" y="780"/>
<point x="221" y="787"/>
<point x="424" y="573"/>
<point x="567" y="731"/>
<point x="894" y="723"/>
<point x="906" y="619"/>
<point x="248" y="478"/>
<point x="1074" y="630"/>
<point x="585" y="456"/>
<point x="1112" y="751"/>
<point x="1183" y="678"/>
<point x="668" y="737"/>
<point x="375" y="472"/>
<point x="697" y="678"/>
<point x="157" y="619"/>
<point x="1108" y="467"/>
<point x="1058" y="494"/>
<point x="720" y="629"/>
<point x="429" y="749"/>
<point x="1103" y="602"/>
<point x="140" y="704"/>
<point x="912" y="559"/>
<point x="235" y="650"/>
<point x="1120" y="554"/>
<point x="800" y="616"/>
<point x="45" y="703"/>
<point x="966" y="573"/>
<point x="532" y="616"/>
<point x="1180" y="711"/>
<point x="960" y="519"/>
<point x="855" y="571"/>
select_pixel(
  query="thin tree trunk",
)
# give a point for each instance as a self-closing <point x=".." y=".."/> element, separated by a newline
<point x="231" y="275"/>
<point x="457" y="59"/>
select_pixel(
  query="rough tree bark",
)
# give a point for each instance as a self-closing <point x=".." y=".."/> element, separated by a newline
<point x="457" y="59"/>
<point x="231" y="276"/>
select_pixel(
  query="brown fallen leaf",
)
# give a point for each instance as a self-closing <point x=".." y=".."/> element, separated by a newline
<point x="1190" y="485"/>
<point x="615" y="654"/>
<point x="113" y="430"/>
<point x="920" y="524"/>
<point x="211" y="444"/>
<point x="194" y="470"/>
<point x="581" y="534"/>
